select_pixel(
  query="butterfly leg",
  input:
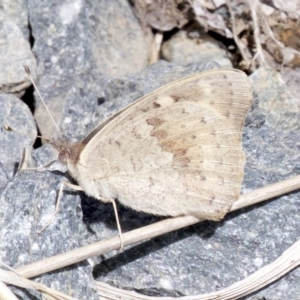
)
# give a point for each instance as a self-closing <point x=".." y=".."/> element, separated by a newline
<point x="113" y="202"/>
<point x="63" y="184"/>
<point x="26" y="162"/>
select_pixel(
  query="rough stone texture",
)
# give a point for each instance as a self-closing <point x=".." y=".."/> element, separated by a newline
<point x="15" y="114"/>
<point x="118" y="46"/>
<point x="14" y="55"/>
<point x="193" y="47"/>
<point x="276" y="100"/>
<point x="191" y="261"/>
<point x="292" y="78"/>
<point x="18" y="13"/>
<point x="26" y="205"/>
<point x="76" y="42"/>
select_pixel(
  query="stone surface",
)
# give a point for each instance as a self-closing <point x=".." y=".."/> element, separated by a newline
<point x="15" y="114"/>
<point x="27" y="204"/>
<point x="276" y="100"/>
<point x="195" y="260"/>
<point x="291" y="77"/>
<point x="18" y="13"/>
<point x="191" y="47"/>
<point x="118" y="46"/>
<point x="15" y="53"/>
<point x="78" y="43"/>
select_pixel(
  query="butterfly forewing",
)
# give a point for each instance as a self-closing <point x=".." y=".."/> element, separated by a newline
<point x="176" y="151"/>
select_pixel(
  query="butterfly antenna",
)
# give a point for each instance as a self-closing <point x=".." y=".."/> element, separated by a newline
<point x="27" y="70"/>
<point x="8" y="128"/>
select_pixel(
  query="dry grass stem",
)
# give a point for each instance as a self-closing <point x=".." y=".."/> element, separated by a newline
<point x="6" y="293"/>
<point x="156" y="47"/>
<point x="285" y="263"/>
<point x="267" y="192"/>
<point x="150" y="231"/>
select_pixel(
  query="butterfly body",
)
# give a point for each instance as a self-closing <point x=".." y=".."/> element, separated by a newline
<point x="176" y="151"/>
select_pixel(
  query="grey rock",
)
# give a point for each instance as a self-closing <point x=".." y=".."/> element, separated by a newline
<point x="119" y="46"/>
<point x="276" y="100"/>
<point x="27" y="204"/>
<point x="18" y="13"/>
<point x="184" y="48"/>
<point x="15" y="114"/>
<point x="291" y="77"/>
<point x="195" y="260"/>
<point x="15" y="53"/>
<point x="77" y="45"/>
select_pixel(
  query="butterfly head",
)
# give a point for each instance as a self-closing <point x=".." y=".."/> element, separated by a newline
<point x="68" y="152"/>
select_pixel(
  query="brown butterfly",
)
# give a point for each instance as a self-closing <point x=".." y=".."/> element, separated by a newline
<point x="177" y="151"/>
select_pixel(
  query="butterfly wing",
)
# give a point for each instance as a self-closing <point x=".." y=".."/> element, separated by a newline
<point x="176" y="151"/>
